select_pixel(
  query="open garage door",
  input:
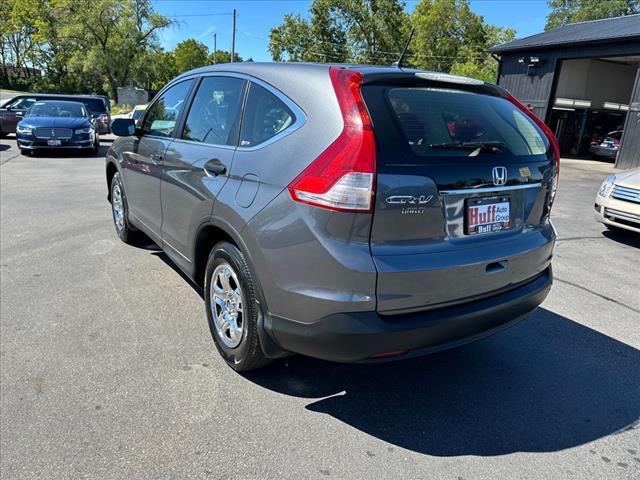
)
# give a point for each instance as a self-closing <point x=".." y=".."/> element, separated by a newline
<point x="591" y="103"/>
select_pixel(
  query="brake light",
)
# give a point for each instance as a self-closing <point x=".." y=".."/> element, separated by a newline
<point x="342" y="177"/>
<point x="552" y="140"/>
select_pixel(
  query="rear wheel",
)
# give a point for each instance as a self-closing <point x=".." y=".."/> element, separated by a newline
<point x="119" y="209"/>
<point x="232" y="308"/>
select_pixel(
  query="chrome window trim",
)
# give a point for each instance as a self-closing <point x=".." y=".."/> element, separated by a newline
<point x="298" y="113"/>
<point x="466" y="191"/>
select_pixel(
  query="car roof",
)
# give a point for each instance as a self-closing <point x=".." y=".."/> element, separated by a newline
<point x="52" y="96"/>
<point x="52" y="100"/>
<point x="293" y="71"/>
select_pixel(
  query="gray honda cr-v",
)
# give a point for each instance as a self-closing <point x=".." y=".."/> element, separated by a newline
<point x="347" y="213"/>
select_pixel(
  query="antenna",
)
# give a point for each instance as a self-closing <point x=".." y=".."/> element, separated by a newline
<point x="398" y="64"/>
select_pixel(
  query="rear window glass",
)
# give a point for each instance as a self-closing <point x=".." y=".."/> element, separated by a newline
<point x="94" y="105"/>
<point x="443" y="123"/>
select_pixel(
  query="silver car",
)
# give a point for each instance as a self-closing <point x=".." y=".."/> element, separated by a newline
<point x="347" y="213"/>
<point x="606" y="147"/>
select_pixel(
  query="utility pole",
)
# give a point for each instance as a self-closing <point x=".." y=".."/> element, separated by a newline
<point x="215" y="48"/>
<point x="233" y="37"/>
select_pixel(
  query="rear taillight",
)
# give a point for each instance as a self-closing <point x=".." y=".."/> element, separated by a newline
<point x="552" y="140"/>
<point x="343" y="176"/>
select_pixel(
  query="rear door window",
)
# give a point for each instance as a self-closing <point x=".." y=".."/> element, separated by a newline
<point x="215" y="112"/>
<point x="265" y="117"/>
<point x="438" y="122"/>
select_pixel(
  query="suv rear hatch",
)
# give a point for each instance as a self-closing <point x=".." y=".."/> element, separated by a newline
<point x="465" y="182"/>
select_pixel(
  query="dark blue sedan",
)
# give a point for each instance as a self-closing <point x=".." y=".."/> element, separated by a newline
<point x="56" y="124"/>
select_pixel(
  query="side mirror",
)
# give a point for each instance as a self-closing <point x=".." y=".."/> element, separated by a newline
<point x="8" y="108"/>
<point x="123" y="127"/>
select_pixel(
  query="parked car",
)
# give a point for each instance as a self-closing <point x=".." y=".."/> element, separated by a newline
<point x="137" y="113"/>
<point x="606" y="147"/>
<point x="14" y="109"/>
<point x="346" y="213"/>
<point x="618" y="201"/>
<point x="57" y="124"/>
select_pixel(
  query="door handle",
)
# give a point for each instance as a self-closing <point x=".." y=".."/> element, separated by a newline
<point x="215" y="167"/>
<point x="156" y="158"/>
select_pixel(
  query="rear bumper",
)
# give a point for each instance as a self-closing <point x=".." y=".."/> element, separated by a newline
<point x="603" y="151"/>
<point x="353" y="337"/>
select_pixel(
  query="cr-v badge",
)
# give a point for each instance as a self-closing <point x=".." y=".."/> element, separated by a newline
<point x="414" y="204"/>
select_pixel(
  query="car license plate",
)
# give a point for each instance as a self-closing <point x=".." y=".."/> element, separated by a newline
<point x="54" y="143"/>
<point x="487" y="215"/>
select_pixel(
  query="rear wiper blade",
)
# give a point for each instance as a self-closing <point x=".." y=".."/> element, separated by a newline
<point x="483" y="146"/>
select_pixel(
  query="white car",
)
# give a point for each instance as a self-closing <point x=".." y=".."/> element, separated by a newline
<point x="618" y="201"/>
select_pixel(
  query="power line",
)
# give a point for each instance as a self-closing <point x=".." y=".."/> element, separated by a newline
<point x="364" y="52"/>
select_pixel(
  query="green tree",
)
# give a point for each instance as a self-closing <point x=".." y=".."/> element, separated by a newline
<point x="571" y="11"/>
<point x="222" y="56"/>
<point x="110" y="35"/>
<point x="482" y="65"/>
<point x="190" y="54"/>
<point x="293" y="41"/>
<point x="447" y="33"/>
<point x="364" y="31"/>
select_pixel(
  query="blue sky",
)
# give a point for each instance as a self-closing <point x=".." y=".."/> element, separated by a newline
<point x="199" y="19"/>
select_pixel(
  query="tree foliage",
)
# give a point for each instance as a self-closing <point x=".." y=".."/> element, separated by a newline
<point x="571" y="11"/>
<point x="90" y="46"/>
<point x="190" y="54"/>
<point x="448" y="35"/>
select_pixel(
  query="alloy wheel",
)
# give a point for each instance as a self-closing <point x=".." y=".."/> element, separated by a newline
<point x="226" y="305"/>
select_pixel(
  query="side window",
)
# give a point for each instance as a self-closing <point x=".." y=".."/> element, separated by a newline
<point x="22" y="103"/>
<point x="162" y="116"/>
<point x="215" y="111"/>
<point x="265" y="116"/>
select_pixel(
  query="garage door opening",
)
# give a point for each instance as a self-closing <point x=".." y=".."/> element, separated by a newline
<point x="591" y="104"/>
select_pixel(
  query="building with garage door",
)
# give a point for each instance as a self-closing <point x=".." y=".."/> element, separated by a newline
<point x="583" y="79"/>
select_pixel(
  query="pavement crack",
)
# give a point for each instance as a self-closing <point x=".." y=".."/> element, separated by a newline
<point x="569" y="239"/>
<point x="604" y="297"/>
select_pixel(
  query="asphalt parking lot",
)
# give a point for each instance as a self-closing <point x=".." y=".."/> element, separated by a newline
<point x="108" y="371"/>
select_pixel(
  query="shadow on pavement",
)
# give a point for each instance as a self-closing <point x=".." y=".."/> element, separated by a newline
<point x="165" y="258"/>
<point x="625" y="237"/>
<point x="545" y="385"/>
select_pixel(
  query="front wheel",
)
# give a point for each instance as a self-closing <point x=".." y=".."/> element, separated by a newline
<point x="119" y="209"/>
<point x="233" y="308"/>
<point x="96" y="146"/>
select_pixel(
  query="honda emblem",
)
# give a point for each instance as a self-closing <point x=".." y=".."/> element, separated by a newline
<point x="499" y="175"/>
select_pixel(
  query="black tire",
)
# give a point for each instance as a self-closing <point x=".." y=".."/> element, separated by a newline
<point x="95" y="147"/>
<point x="248" y="354"/>
<point x="126" y="232"/>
